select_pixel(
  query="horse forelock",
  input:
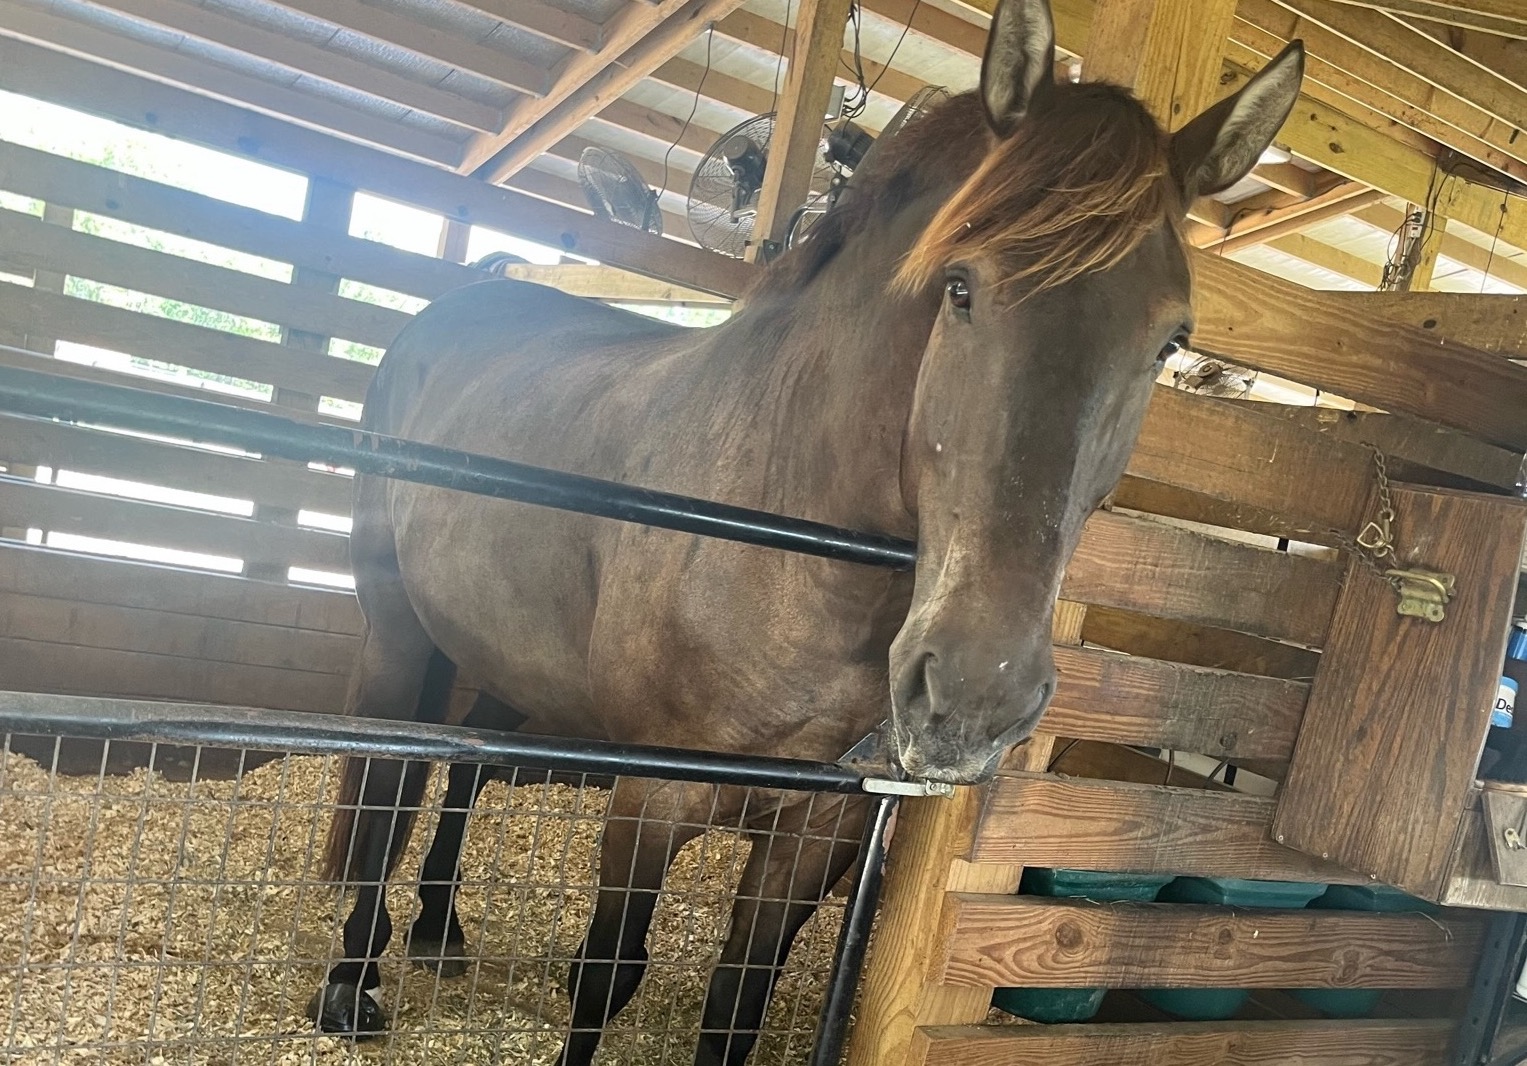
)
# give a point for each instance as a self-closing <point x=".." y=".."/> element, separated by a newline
<point x="1080" y="185"/>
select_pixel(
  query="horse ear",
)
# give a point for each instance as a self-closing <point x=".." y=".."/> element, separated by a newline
<point x="1019" y="66"/>
<point x="1220" y="146"/>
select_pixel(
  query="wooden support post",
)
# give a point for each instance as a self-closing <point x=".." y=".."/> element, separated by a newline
<point x="1433" y="234"/>
<point x="328" y="207"/>
<point x="798" y="121"/>
<point x="454" y="237"/>
<point x="1170" y="52"/>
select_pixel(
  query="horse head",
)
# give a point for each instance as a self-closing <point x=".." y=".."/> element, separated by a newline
<point x="1063" y="284"/>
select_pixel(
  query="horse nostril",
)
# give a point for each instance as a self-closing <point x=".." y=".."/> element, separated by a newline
<point x="1045" y="689"/>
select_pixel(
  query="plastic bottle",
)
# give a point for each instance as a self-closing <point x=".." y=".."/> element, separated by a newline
<point x="1506" y="746"/>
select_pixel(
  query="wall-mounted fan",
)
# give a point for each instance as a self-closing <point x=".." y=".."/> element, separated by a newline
<point x="723" y="194"/>
<point x="920" y="103"/>
<point x="616" y="191"/>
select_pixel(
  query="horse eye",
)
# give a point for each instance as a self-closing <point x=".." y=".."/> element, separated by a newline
<point x="959" y="293"/>
<point x="1173" y="347"/>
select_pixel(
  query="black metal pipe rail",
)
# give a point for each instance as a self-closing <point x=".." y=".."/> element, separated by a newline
<point x="301" y="733"/>
<point x="37" y="394"/>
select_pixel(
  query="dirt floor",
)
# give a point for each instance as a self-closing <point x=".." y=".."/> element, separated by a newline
<point x="149" y="920"/>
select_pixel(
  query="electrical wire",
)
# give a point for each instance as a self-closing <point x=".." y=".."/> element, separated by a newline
<point x="1494" y="240"/>
<point x="892" y="57"/>
<point x="710" y="37"/>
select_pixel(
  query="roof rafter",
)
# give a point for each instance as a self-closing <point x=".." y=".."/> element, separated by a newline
<point x="207" y="24"/>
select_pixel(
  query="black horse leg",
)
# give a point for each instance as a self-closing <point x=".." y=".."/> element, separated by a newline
<point x="346" y="1003"/>
<point x="436" y="939"/>
<point x="785" y="879"/>
<point x="638" y="845"/>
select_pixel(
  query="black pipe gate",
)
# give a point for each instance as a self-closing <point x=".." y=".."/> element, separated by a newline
<point x="37" y="394"/>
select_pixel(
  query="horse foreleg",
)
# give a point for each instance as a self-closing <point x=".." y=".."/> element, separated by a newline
<point x="785" y="879"/>
<point x="639" y="843"/>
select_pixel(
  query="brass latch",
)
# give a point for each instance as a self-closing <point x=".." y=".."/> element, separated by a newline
<point x="1423" y="593"/>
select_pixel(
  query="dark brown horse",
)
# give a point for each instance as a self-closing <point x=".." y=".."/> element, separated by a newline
<point x="960" y="353"/>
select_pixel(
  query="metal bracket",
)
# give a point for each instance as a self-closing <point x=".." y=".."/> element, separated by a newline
<point x="1423" y="593"/>
<point x="1506" y="828"/>
<point x="883" y="787"/>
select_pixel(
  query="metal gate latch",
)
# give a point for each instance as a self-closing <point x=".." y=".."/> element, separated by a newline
<point x="1423" y="593"/>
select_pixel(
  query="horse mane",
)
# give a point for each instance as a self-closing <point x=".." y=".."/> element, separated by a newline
<point x="1080" y="185"/>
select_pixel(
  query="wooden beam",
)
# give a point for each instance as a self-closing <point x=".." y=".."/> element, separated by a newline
<point x="662" y="129"/>
<point x="1168" y="51"/>
<point x="171" y="68"/>
<point x="544" y="20"/>
<point x="1286" y="177"/>
<point x="609" y="284"/>
<point x="1336" y="1042"/>
<point x="37" y="72"/>
<point x="1420" y="55"/>
<point x="1304" y="247"/>
<point x="557" y="190"/>
<point x="1259" y="226"/>
<point x="1354" y="73"/>
<point x="798" y="119"/>
<point x="635" y="40"/>
<point x="1034" y="942"/>
<point x="1490" y="323"/>
<point x="1388" y="159"/>
<point x="1271" y="324"/>
<point x="1386" y="219"/>
<point x="412" y="35"/>
<point x="765" y="35"/>
<point x="317" y="61"/>
<point x="1501" y="17"/>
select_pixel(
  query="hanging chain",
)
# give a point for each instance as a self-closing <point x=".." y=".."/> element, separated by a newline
<point x="1423" y="593"/>
<point x="1375" y="544"/>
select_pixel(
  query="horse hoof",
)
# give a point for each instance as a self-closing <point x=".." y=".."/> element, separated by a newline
<point x="346" y="1010"/>
<point x="448" y="959"/>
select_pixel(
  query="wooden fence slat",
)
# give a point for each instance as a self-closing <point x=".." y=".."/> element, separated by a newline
<point x="115" y="518"/>
<point x="1183" y="642"/>
<point x="102" y="191"/>
<point x="31" y="666"/>
<point x="67" y="623"/>
<point x="1127" y="700"/>
<point x="33" y="243"/>
<point x="71" y="82"/>
<point x="1151" y="568"/>
<point x="1265" y="322"/>
<point x="1236" y="453"/>
<point x="1035" y="942"/>
<point x="1045" y="820"/>
<point x="179" y="343"/>
<point x="1488" y="321"/>
<point x="1324" y="1042"/>
<point x="34" y="571"/>
<point x="60" y="444"/>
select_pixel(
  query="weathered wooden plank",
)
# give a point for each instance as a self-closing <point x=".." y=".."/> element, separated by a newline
<point x="1371" y="783"/>
<point x="1412" y="447"/>
<point x="102" y="191"/>
<point x="1034" y="942"/>
<point x="1472" y="881"/>
<point x="1045" y="820"/>
<point x="216" y="351"/>
<point x="1126" y="700"/>
<point x="1325" y="1042"/>
<point x="1491" y="323"/>
<point x="66" y="622"/>
<point x="41" y="246"/>
<point x="1183" y="642"/>
<point x="71" y="82"/>
<point x="33" y="666"/>
<point x="1275" y="325"/>
<point x="59" y="444"/>
<point x="82" y="579"/>
<point x="1144" y="566"/>
<point x="96" y="515"/>
<point x="1238" y="453"/>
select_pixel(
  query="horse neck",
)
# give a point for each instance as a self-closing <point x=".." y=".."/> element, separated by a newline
<point x="834" y="366"/>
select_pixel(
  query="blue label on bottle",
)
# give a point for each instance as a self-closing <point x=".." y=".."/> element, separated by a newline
<point x="1505" y="704"/>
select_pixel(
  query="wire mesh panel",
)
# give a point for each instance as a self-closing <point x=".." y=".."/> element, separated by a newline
<point x="167" y="904"/>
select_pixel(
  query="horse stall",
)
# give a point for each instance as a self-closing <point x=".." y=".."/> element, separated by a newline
<point x="1251" y="827"/>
